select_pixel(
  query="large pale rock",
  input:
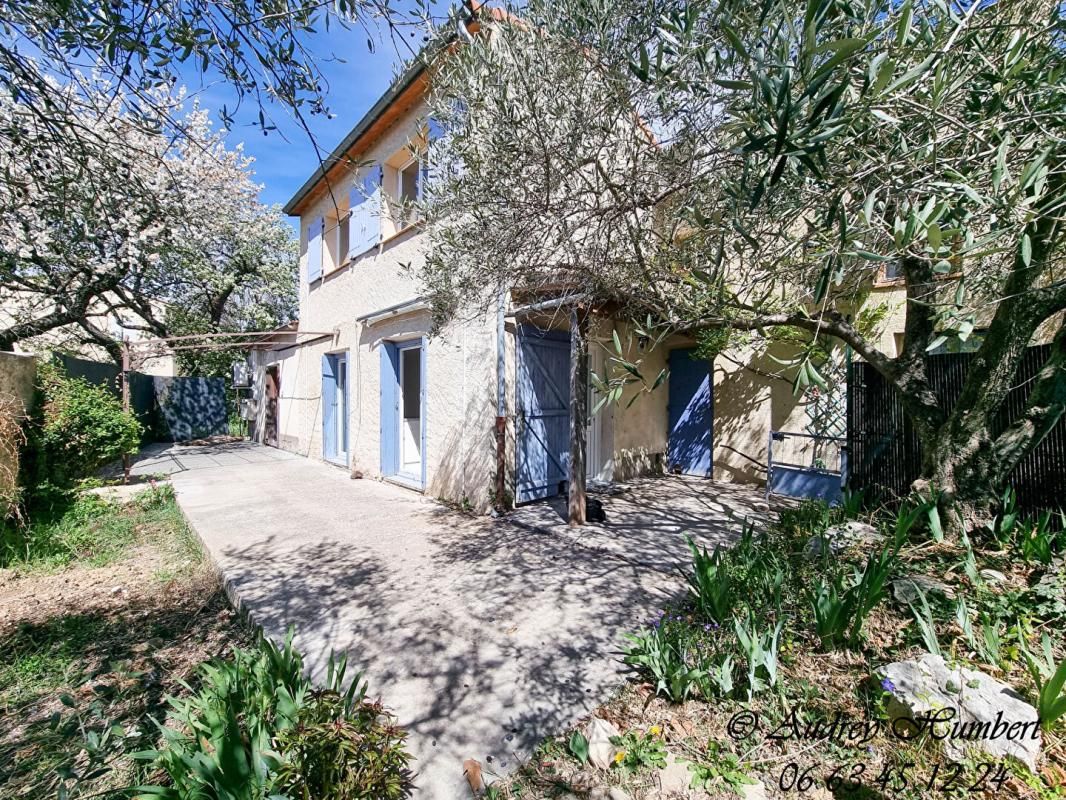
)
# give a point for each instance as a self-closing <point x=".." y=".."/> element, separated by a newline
<point x="962" y="708"/>
<point x="674" y="778"/>
<point x="599" y="733"/>
<point x="907" y="589"/>
<point x="838" y="538"/>
<point x="753" y="791"/>
<point x="608" y="793"/>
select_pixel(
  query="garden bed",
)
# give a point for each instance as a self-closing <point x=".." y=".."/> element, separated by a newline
<point x="766" y="681"/>
<point x="110" y="609"/>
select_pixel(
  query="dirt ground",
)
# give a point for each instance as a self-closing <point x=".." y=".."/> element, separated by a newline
<point x="86" y="649"/>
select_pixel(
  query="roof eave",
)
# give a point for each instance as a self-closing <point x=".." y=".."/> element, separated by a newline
<point x="292" y="207"/>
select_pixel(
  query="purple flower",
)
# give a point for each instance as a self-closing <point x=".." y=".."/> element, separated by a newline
<point x="888" y="686"/>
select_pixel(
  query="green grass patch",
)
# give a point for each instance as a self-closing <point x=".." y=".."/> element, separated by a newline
<point x="85" y="673"/>
<point x="93" y="531"/>
<point x="42" y="657"/>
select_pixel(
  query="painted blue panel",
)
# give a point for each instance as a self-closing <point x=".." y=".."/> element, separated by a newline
<point x="543" y="392"/>
<point x="799" y="482"/>
<point x="390" y="409"/>
<point x="329" y="407"/>
<point x="690" y="414"/>
<point x="364" y="223"/>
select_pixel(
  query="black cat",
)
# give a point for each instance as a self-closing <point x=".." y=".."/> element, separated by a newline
<point x="593" y="508"/>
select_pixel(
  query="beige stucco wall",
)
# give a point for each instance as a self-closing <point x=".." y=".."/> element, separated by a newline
<point x="460" y="389"/>
<point x="640" y="429"/>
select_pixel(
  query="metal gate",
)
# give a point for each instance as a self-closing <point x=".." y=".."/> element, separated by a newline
<point x="806" y="465"/>
<point x="543" y="405"/>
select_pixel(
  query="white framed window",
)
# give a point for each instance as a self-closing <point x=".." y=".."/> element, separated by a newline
<point x="408" y="192"/>
<point x="344" y="237"/>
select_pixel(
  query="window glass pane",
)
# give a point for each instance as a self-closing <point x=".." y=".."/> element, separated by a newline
<point x="409" y="183"/>
<point x="412" y="382"/>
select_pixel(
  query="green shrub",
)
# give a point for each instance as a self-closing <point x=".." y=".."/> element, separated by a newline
<point x="1050" y="681"/>
<point x="81" y="428"/>
<point x="1038" y="540"/>
<point x="256" y="729"/>
<point x="342" y="746"/>
<point x="710" y="584"/>
<point x="840" y="611"/>
<point x="809" y="518"/>
<point x="664" y="654"/>
<point x="852" y="503"/>
<point x="760" y="652"/>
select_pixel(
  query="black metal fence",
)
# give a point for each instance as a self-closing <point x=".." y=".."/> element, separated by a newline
<point x="885" y="455"/>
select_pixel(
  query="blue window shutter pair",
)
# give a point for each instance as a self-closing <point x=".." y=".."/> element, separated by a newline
<point x="364" y="223"/>
<point x="314" y="249"/>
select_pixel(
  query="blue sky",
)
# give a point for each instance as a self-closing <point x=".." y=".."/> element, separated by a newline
<point x="285" y="157"/>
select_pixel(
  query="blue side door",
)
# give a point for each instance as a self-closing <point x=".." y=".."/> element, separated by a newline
<point x="690" y="411"/>
<point x="543" y="401"/>
<point x="335" y="408"/>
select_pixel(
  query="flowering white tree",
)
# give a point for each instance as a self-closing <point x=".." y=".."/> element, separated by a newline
<point x="160" y="222"/>
<point x="799" y="150"/>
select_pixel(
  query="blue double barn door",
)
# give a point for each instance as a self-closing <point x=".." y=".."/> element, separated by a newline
<point x="543" y="401"/>
<point x="690" y="412"/>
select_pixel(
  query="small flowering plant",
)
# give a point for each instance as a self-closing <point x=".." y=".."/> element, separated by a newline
<point x="680" y="654"/>
<point x="640" y="750"/>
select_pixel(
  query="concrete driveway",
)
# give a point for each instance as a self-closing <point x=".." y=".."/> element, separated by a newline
<point x="482" y="635"/>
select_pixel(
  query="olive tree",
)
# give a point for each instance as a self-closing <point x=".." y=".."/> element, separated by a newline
<point x="778" y="157"/>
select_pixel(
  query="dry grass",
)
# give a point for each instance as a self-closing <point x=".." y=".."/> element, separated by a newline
<point x="89" y="647"/>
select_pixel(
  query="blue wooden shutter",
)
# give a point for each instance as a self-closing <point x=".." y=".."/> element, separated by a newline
<point x="390" y="409"/>
<point x="329" y="407"/>
<point x="314" y="249"/>
<point x="364" y="224"/>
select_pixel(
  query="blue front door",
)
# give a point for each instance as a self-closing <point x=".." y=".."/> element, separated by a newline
<point x="403" y="411"/>
<point x="690" y="413"/>
<point x="335" y="408"/>
<point x="543" y="393"/>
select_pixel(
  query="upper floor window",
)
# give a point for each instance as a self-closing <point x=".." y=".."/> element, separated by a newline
<point x="408" y="193"/>
<point x="892" y="271"/>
